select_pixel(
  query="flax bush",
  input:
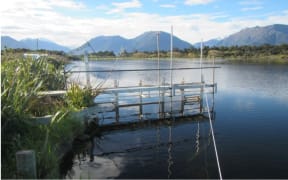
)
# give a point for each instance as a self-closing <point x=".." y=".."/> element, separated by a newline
<point x="78" y="97"/>
<point x="21" y="80"/>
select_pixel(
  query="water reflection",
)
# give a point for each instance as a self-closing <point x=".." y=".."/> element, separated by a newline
<point x="170" y="159"/>
<point x="250" y="129"/>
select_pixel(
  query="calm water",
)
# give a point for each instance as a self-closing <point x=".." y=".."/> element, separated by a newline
<point x="251" y="127"/>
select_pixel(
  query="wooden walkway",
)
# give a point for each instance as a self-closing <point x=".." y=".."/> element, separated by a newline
<point x="143" y="102"/>
<point x="150" y="102"/>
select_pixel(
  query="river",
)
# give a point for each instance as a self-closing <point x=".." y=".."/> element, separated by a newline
<point x="250" y="126"/>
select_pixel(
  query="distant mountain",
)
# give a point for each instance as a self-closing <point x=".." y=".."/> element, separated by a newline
<point x="210" y="43"/>
<point x="31" y="44"/>
<point x="9" y="42"/>
<point x="43" y="44"/>
<point x="103" y="43"/>
<point x="144" y="42"/>
<point x="276" y="34"/>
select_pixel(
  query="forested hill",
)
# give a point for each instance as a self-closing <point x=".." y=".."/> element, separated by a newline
<point x="276" y="34"/>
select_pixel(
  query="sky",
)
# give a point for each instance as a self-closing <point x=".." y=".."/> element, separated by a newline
<point x="73" y="22"/>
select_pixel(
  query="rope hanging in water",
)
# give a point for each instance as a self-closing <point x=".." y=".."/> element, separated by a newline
<point x="213" y="138"/>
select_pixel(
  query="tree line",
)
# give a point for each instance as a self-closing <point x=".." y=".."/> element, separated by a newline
<point x="264" y="50"/>
<point x="222" y="51"/>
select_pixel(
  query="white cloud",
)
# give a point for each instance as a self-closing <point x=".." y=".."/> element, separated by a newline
<point x="251" y="8"/>
<point x="251" y="5"/>
<point x="42" y="21"/>
<point x="66" y="4"/>
<point x="120" y="7"/>
<point x="40" y="4"/>
<point x="197" y="2"/>
<point x="167" y="6"/>
<point x="250" y="2"/>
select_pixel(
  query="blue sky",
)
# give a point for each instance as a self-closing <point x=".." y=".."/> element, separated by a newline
<point x="73" y="22"/>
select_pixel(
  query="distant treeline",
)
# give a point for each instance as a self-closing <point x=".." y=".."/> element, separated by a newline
<point x="12" y="54"/>
<point x="24" y="50"/>
<point x="220" y="52"/>
<point x="231" y="52"/>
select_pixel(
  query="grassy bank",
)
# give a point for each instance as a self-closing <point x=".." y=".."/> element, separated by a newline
<point x="21" y="80"/>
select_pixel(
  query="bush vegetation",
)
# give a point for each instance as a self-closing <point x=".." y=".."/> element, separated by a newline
<point x="21" y="80"/>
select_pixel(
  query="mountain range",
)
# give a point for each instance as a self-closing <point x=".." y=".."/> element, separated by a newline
<point x="32" y="44"/>
<point x="276" y="34"/>
<point x="144" y="42"/>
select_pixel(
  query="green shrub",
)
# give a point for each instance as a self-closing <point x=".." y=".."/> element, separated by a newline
<point x="78" y="98"/>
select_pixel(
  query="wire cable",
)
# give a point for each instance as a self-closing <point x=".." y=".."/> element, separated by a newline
<point x="213" y="138"/>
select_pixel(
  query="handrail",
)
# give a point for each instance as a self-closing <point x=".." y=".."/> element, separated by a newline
<point x="153" y="69"/>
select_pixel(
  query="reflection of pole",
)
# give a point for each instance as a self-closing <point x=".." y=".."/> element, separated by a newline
<point x="162" y="106"/>
<point x="158" y="140"/>
<point x="116" y="102"/>
<point x="213" y="88"/>
<point x="170" y="160"/>
<point x="140" y="103"/>
<point x="197" y="139"/>
<point x="182" y="98"/>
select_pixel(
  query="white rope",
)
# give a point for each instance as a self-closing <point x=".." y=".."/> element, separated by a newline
<point x="213" y="138"/>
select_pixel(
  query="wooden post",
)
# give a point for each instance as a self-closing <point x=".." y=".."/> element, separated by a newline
<point x="26" y="164"/>
<point x="116" y="103"/>
<point x="140" y="103"/>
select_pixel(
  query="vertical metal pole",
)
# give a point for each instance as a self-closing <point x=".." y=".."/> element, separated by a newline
<point x="158" y="56"/>
<point x="171" y="58"/>
<point x="201" y="74"/>
<point x="116" y="103"/>
<point x="201" y="57"/>
<point x="171" y="71"/>
<point x="213" y="73"/>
